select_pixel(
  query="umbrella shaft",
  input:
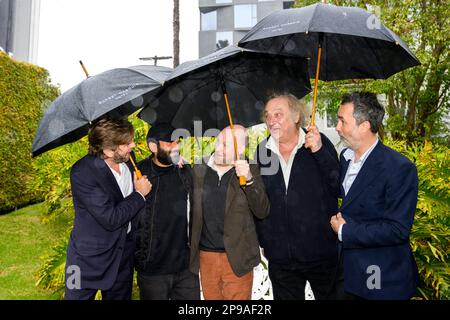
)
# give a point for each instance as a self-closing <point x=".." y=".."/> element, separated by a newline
<point x="84" y="69"/>
<point x="138" y="172"/>
<point x="316" y="82"/>
<point x="242" y="180"/>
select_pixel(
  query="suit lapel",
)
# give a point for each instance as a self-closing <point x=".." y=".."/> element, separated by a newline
<point x="369" y="172"/>
<point x="107" y="178"/>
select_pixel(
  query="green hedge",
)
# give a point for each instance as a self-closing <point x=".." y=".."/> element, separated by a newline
<point x="25" y="91"/>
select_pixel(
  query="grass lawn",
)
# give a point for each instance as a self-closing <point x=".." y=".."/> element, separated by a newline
<point x="24" y="239"/>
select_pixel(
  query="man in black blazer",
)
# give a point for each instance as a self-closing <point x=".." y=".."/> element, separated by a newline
<point x="379" y="190"/>
<point x="107" y="195"/>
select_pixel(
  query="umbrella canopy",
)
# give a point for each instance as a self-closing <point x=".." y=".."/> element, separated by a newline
<point x="117" y="92"/>
<point x="355" y="45"/>
<point x="197" y="90"/>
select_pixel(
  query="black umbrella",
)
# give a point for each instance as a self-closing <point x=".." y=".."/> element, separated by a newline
<point x="116" y="93"/>
<point x="199" y="89"/>
<point x="230" y="85"/>
<point x="340" y="42"/>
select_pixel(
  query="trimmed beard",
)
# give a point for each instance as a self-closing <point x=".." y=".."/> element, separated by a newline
<point x="118" y="158"/>
<point x="167" y="158"/>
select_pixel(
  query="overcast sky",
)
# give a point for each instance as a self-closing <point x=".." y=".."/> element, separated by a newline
<point x="106" y="34"/>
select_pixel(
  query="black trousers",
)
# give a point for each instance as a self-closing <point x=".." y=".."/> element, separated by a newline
<point x="122" y="288"/>
<point x="183" y="285"/>
<point x="289" y="279"/>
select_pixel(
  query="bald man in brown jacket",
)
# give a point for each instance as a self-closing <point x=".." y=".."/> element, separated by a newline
<point x="224" y="244"/>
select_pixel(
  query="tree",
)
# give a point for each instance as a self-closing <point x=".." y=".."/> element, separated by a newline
<point x="417" y="99"/>
<point x="176" y="33"/>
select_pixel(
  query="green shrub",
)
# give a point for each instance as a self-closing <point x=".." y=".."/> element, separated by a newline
<point x="430" y="235"/>
<point x="25" y="90"/>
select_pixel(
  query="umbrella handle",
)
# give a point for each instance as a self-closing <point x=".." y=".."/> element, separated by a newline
<point x="242" y="180"/>
<point x="138" y="172"/>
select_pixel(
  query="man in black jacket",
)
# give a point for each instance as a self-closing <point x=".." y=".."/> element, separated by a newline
<point x="162" y="249"/>
<point x="300" y="170"/>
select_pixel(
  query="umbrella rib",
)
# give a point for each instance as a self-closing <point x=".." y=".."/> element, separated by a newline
<point x="312" y="17"/>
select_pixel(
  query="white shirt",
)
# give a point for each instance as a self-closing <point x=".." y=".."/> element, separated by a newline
<point x="353" y="170"/>
<point x="125" y="183"/>
<point x="286" y="167"/>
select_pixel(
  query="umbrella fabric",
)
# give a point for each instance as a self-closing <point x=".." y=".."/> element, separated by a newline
<point x="117" y="92"/>
<point x="355" y="45"/>
<point x="194" y="91"/>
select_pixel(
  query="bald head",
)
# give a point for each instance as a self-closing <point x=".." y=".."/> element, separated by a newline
<point x="224" y="152"/>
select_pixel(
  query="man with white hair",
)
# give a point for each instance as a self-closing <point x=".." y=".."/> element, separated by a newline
<point x="300" y="170"/>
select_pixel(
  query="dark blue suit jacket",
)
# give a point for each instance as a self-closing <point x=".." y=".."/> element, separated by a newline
<point x="379" y="211"/>
<point x="101" y="221"/>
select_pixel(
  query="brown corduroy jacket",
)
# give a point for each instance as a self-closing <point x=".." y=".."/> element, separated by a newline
<point x="242" y="203"/>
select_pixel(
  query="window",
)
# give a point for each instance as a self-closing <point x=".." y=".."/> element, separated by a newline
<point x="209" y="20"/>
<point x="224" y="39"/>
<point x="245" y="16"/>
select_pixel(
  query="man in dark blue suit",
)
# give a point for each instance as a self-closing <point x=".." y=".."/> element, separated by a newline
<point x="379" y="191"/>
<point x="106" y="200"/>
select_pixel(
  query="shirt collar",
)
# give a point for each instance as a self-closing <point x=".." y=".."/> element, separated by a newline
<point x="213" y="166"/>
<point x="122" y="168"/>
<point x="349" y="154"/>
<point x="273" y="145"/>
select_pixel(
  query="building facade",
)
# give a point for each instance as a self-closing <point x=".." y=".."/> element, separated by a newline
<point x="19" y="28"/>
<point x="225" y="22"/>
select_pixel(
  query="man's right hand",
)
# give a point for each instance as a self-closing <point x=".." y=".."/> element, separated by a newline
<point x="142" y="185"/>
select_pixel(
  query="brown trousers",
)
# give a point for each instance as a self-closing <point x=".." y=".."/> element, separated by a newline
<point x="219" y="281"/>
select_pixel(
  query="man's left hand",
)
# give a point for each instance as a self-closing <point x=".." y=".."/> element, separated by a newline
<point x="313" y="140"/>
<point x="336" y="221"/>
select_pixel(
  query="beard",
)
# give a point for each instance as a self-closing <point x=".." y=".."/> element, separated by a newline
<point x="167" y="157"/>
<point x="119" y="158"/>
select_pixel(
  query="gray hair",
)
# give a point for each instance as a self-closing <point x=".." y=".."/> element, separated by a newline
<point x="366" y="107"/>
<point x="296" y="106"/>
